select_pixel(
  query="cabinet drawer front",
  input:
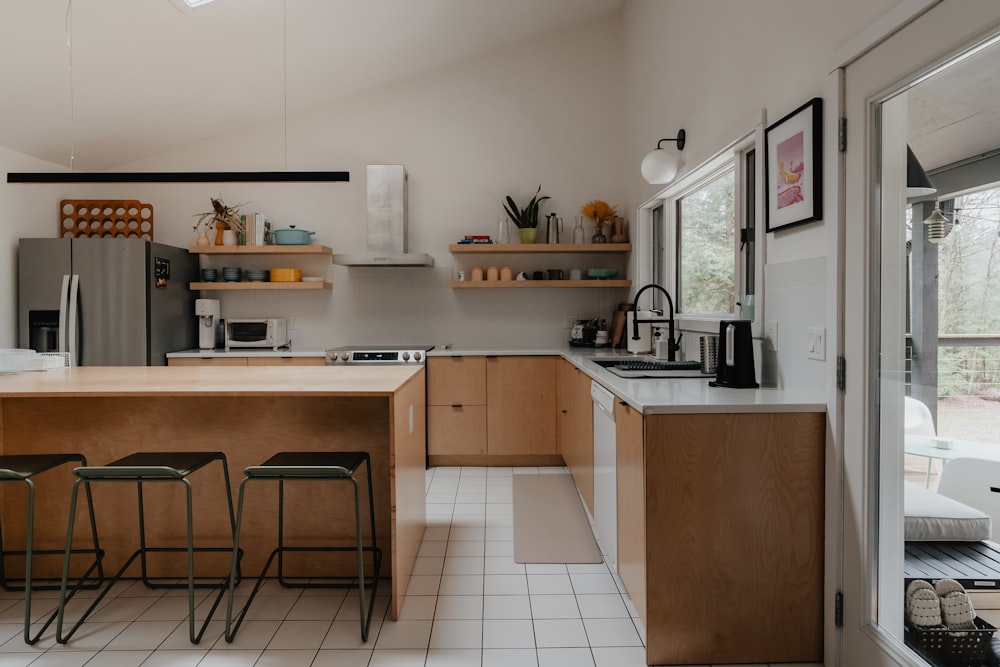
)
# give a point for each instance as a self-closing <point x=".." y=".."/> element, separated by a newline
<point x="286" y="361"/>
<point x="207" y="361"/>
<point x="456" y="430"/>
<point x="456" y="381"/>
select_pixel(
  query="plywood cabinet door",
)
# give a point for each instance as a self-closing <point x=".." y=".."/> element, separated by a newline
<point x="456" y="429"/>
<point x="631" y="478"/>
<point x="456" y="381"/>
<point x="521" y="405"/>
<point x="734" y="538"/>
<point x="575" y="427"/>
<point x="456" y="405"/>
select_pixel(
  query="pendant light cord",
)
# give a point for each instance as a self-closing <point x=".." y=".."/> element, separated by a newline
<point x="284" y="75"/>
<point x="72" y="104"/>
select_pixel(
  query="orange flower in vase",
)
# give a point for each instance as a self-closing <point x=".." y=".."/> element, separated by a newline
<point x="602" y="214"/>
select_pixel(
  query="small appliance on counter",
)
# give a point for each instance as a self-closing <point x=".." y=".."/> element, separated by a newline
<point x="260" y="332"/>
<point x="589" y="333"/>
<point x="735" y="367"/>
<point x="208" y="312"/>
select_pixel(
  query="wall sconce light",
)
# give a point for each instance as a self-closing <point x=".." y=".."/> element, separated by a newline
<point x="938" y="226"/>
<point x="659" y="166"/>
<point x="917" y="182"/>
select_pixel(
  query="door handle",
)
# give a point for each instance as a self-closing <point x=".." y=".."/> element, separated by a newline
<point x="73" y="302"/>
<point x="63" y="307"/>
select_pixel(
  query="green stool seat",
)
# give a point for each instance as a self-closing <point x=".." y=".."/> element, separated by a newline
<point x="310" y="466"/>
<point x="21" y="468"/>
<point x="144" y="468"/>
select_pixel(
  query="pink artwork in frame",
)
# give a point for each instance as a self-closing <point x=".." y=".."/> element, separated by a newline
<point x="793" y="163"/>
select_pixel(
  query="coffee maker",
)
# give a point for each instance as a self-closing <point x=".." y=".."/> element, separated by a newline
<point x="735" y="367"/>
<point x="208" y="312"/>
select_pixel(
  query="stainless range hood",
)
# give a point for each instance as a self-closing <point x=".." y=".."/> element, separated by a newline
<point x="385" y="222"/>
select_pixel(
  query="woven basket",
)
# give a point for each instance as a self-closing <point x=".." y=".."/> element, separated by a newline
<point x="968" y="646"/>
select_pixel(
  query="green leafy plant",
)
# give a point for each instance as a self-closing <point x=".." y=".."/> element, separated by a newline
<point x="527" y="217"/>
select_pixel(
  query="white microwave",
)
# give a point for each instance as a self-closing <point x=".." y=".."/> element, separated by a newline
<point x="267" y="332"/>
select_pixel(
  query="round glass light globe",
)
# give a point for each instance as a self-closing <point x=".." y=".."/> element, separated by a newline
<point x="659" y="166"/>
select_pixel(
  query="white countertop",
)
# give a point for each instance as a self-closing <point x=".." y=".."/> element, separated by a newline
<point x="246" y="352"/>
<point x="662" y="396"/>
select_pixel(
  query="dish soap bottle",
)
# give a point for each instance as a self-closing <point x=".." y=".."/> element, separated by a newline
<point x="578" y="233"/>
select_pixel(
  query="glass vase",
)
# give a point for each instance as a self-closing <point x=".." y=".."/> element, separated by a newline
<point x="579" y="236"/>
<point x="503" y="230"/>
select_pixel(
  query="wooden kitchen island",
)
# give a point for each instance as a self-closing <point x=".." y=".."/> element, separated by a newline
<point x="249" y="413"/>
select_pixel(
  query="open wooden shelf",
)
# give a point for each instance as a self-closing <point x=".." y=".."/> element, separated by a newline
<point x="497" y="248"/>
<point x="247" y="285"/>
<point x="536" y="284"/>
<point x="261" y="250"/>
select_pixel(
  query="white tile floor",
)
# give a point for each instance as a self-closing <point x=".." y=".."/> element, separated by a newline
<point x="468" y="605"/>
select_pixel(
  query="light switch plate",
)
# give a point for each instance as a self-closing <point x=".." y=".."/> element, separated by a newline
<point x="816" y="343"/>
<point x="293" y="323"/>
<point x="771" y="335"/>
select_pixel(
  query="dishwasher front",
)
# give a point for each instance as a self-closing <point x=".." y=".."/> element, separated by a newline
<point x="605" y="473"/>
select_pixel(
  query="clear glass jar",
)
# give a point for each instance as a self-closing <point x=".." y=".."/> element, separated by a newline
<point x="503" y="230"/>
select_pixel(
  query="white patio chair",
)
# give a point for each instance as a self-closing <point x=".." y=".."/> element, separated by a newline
<point x="975" y="482"/>
<point x="917" y="421"/>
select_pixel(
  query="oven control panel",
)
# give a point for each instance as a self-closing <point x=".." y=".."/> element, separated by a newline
<point x="373" y="356"/>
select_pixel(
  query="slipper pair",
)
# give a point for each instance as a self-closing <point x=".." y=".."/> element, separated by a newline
<point x="945" y="605"/>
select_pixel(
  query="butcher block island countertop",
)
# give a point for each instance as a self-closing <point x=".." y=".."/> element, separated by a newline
<point x="249" y="413"/>
<point x="210" y="381"/>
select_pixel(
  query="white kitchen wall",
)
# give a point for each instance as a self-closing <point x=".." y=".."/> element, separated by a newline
<point x="574" y="111"/>
<point x="711" y="68"/>
<point x="545" y="111"/>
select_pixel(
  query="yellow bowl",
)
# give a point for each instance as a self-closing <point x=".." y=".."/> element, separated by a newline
<point x="286" y="275"/>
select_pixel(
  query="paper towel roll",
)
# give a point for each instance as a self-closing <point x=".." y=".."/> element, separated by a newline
<point x="645" y="342"/>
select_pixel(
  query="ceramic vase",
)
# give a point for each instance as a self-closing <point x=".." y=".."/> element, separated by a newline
<point x="528" y="234"/>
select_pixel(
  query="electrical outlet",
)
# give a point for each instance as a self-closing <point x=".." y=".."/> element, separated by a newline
<point x="816" y="343"/>
<point x="771" y="335"/>
<point x="293" y="323"/>
<point x="569" y="321"/>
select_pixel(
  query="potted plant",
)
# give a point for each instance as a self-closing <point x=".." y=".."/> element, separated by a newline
<point x="222" y="218"/>
<point x="526" y="219"/>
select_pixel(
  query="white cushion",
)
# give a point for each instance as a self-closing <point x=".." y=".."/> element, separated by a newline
<point x="930" y="516"/>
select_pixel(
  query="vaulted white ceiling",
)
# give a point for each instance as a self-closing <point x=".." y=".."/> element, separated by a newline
<point x="112" y="81"/>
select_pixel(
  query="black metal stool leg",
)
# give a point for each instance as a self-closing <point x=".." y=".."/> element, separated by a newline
<point x="146" y="468"/>
<point x="312" y="466"/>
<point x="28" y="466"/>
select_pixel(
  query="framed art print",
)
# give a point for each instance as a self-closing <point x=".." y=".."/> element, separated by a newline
<point x="793" y="150"/>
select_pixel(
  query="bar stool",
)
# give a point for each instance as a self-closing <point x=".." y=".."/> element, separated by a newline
<point x="148" y="467"/>
<point x="21" y="468"/>
<point x="310" y="466"/>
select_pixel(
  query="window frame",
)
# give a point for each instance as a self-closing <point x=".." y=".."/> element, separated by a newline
<point x="662" y="209"/>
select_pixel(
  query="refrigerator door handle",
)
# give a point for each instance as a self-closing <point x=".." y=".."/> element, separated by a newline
<point x="63" y="294"/>
<point x="74" y="308"/>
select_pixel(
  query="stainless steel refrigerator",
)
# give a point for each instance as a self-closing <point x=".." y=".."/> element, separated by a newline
<point x="106" y="301"/>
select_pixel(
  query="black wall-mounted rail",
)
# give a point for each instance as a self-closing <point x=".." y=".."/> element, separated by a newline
<point x="180" y="177"/>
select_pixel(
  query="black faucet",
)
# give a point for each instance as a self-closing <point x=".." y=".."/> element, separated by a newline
<point x="672" y="345"/>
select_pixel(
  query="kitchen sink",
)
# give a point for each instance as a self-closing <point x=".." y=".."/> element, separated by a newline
<point x="633" y="366"/>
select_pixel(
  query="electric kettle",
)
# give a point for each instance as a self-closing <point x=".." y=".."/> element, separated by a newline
<point x="735" y="367"/>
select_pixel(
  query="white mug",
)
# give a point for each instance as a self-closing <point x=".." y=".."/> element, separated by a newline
<point x="576" y="274"/>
